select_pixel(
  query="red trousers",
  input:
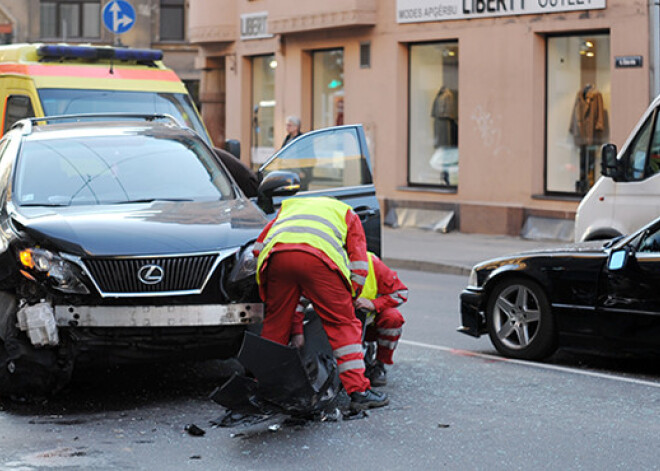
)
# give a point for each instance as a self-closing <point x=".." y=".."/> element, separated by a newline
<point x="290" y="274"/>
<point x="386" y="331"/>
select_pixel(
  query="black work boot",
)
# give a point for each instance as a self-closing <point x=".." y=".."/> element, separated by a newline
<point x="368" y="400"/>
<point x="378" y="375"/>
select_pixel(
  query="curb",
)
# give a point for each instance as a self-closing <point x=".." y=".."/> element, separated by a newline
<point x="433" y="267"/>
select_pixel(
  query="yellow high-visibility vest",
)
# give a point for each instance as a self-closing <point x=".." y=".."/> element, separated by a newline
<point x="318" y="222"/>
<point x="370" y="288"/>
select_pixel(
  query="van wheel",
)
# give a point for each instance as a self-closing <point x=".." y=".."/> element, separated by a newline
<point x="606" y="235"/>
<point x="520" y="321"/>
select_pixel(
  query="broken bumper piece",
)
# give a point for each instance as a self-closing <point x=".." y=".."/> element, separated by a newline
<point x="284" y="380"/>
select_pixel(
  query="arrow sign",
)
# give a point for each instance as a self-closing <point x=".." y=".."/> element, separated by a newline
<point x="118" y="16"/>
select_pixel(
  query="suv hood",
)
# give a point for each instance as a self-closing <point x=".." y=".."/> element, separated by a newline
<point x="155" y="228"/>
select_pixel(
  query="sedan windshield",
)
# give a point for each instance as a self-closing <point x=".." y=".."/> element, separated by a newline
<point x="117" y="168"/>
<point x="58" y="102"/>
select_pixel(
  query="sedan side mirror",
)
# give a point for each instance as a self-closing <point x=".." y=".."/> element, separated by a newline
<point x="617" y="260"/>
<point x="609" y="165"/>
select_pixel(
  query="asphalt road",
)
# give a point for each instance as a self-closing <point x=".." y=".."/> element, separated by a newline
<point x="454" y="405"/>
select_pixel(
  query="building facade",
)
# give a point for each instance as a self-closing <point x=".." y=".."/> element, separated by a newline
<point x="159" y="24"/>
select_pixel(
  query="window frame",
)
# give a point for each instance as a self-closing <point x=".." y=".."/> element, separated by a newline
<point x="317" y="125"/>
<point x="179" y="8"/>
<point x="546" y="37"/>
<point x="440" y="187"/>
<point x="81" y="18"/>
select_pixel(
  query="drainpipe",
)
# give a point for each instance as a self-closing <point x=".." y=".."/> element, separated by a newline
<point x="654" y="49"/>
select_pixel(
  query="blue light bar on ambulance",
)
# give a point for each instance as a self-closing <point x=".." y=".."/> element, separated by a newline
<point x="55" y="51"/>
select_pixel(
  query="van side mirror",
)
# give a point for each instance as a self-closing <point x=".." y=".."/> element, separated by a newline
<point x="617" y="260"/>
<point x="609" y="165"/>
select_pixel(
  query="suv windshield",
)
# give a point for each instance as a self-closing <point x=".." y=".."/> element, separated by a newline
<point x="117" y="168"/>
<point x="75" y="101"/>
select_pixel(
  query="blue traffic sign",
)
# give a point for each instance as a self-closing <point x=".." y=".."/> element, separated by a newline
<point x="118" y="16"/>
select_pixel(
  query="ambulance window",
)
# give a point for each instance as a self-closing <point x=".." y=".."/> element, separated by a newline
<point x="18" y="107"/>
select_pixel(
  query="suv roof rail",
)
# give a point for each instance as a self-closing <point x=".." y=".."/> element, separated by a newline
<point x="28" y="123"/>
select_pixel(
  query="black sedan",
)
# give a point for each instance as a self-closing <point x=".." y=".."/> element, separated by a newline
<point x="602" y="295"/>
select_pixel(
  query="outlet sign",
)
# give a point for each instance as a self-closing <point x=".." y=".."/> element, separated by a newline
<point x="416" y="11"/>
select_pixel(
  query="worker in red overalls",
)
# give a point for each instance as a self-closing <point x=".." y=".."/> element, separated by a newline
<point x="316" y="248"/>
<point x="382" y="293"/>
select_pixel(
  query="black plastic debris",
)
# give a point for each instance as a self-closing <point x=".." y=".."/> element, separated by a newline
<point x="280" y="379"/>
<point x="194" y="430"/>
<point x="354" y="415"/>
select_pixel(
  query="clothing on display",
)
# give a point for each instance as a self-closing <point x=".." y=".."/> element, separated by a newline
<point x="588" y="127"/>
<point x="445" y="115"/>
<point x="588" y="118"/>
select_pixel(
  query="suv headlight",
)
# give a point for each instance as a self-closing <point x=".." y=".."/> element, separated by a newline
<point x="246" y="267"/>
<point x="240" y="284"/>
<point x="63" y="275"/>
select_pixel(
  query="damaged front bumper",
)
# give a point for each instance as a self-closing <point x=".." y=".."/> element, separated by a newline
<point x="201" y="315"/>
<point x="42" y="320"/>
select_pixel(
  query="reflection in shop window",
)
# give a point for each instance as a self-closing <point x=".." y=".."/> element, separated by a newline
<point x="433" y="115"/>
<point x="328" y="88"/>
<point x="578" y="103"/>
<point x="263" y="109"/>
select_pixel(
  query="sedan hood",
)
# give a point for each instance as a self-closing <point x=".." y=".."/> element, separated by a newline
<point x="142" y="229"/>
<point x="592" y="246"/>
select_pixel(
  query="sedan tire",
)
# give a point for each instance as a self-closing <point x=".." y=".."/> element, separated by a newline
<point x="520" y="321"/>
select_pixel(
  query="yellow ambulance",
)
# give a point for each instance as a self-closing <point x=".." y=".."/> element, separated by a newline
<point x="61" y="79"/>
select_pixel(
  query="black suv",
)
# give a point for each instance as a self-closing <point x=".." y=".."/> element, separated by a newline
<point x="124" y="238"/>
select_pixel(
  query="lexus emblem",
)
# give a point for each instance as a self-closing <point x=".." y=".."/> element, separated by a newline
<point x="150" y="274"/>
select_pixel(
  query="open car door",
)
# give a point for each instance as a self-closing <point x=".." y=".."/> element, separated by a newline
<point x="333" y="162"/>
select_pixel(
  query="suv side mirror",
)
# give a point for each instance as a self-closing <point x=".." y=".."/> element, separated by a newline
<point x="277" y="183"/>
<point x="609" y="165"/>
<point x="233" y="146"/>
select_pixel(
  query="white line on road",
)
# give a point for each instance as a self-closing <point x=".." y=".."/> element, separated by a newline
<point x="468" y="353"/>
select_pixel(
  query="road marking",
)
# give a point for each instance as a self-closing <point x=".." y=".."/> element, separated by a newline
<point x="545" y="366"/>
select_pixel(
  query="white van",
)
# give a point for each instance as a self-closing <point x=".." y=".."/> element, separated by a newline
<point x="627" y="196"/>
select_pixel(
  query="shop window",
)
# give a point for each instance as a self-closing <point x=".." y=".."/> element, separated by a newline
<point x="577" y="110"/>
<point x="66" y="19"/>
<point x="172" y="17"/>
<point x="263" y="108"/>
<point x="433" y="115"/>
<point x="328" y="88"/>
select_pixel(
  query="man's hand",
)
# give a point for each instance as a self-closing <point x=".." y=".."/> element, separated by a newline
<point x="364" y="303"/>
<point x="298" y="341"/>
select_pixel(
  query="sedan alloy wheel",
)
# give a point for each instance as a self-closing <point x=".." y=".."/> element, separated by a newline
<point x="519" y="320"/>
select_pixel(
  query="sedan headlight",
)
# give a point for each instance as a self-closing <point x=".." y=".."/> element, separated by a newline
<point x="473" y="279"/>
<point x="63" y="275"/>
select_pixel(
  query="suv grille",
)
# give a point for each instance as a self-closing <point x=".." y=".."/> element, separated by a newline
<point x="120" y="275"/>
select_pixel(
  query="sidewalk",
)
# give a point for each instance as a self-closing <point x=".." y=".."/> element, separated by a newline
<point x="453" y="252"/>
